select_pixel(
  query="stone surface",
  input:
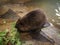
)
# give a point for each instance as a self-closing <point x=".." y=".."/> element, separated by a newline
<point x="51" y="33"/>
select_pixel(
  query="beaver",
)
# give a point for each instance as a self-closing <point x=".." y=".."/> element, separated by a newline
<point x="33" y="21"/>
<point x="31" y="24"/>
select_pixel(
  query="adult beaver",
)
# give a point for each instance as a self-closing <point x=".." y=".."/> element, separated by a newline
<point x="33" y="21"/>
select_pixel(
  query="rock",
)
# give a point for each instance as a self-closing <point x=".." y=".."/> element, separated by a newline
<point x="10" y="15"/>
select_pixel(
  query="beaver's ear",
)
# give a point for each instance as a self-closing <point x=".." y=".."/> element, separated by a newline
<point x="46" y="25"/>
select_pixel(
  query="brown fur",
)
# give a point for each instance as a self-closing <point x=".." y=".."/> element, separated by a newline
<point x="34" y="20"/>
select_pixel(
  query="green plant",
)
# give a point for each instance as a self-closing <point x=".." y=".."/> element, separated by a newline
<point x="11" y="37"/>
